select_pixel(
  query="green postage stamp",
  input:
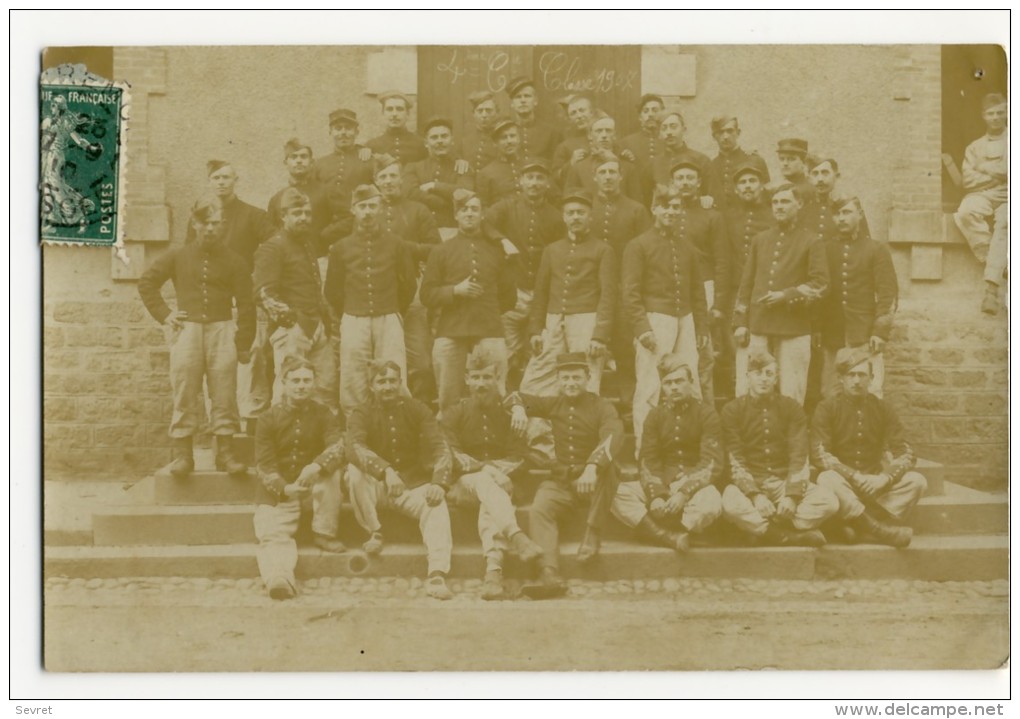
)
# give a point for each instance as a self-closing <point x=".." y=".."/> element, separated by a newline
<point x="83" y="123"/>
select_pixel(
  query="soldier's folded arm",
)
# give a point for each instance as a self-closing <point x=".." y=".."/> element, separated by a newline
<point x="151" y="283"/>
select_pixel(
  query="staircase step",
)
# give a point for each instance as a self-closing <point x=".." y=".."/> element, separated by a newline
<point x="932" y="558"/>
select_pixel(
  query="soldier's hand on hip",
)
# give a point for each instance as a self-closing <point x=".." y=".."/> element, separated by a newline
<point x="647" y="340"/>
<point x="434" y="495"/>
<point x="175" y="320"/>
<point x="764" y="506"/>
<point x="742" y="337"/>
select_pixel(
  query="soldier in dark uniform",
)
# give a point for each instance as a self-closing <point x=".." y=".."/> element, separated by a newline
<point x="396" y="139"/>
<point x="432" y="181"/>
<point x="501" y="177"/>
<point x="587" y="435"/>
<point x="602" y="139"/>
<point x="476" y="143"/>
<point x="726" y="132"/>
<point x="672" y="147"/>
<point x="538" y="138"/>
<point x="298" y="158"/>
<point x="681" y="459"/>
<point x="644" y="144"/>
<point x="208" y="278"/>
<point x="792" y="153"/>
<point x="348" y="166"/>
<point x="574" y="148"/>
<point x="299" y="456"/>
<point x="858" y="310"/>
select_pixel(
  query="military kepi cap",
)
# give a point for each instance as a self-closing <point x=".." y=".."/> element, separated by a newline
<point x="753" y="164"/>
<point x="437" y="122"/>
<point x="293" y="197"/>
<point x="395" y="95"/>
<point x="479" y="96"/>
<point x="518" y="84"/>
<point x="499" y="126"/>
<point x="993" y="99"/>
<point x="849" y="357"/>
<point x="343" y="116"/>
<point x="294" y="145"/>
<point x="571" y="360"/>
<point x="381" y="162"/>
<point x="214" y="165"/>
<point x="686" y="160"/>
<point x="461" y="197"/>
<point x="793" y="146"/>
<point x="364" y="192"/>
<point x="581" y="196"/>
<point x="759" y="360"/>
<point x="535" y="163"/>
<point x="649" y="97"/>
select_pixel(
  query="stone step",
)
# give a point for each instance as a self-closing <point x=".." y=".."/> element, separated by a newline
<point x="205" y="486"/>
<point x="963" y="512"/>
<point x="929" y="558"/>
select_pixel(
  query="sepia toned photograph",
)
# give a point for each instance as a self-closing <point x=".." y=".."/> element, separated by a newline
<point x="478" y="358"/>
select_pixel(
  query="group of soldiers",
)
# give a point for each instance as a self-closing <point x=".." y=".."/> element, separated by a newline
<point x="422" y="320"/>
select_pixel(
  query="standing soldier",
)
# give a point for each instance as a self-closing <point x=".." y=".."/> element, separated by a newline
<point x="288" y="287"/>
<point x="298" y="158"/>
<point x="396" y="139"/>
<point x="705" y="229"/>
<point x="748" y="214"/>
<point x="771" y="496"/>
<point x="786" y="270"/>
<point x="851" y="433"/>
<point x="529" y="222"/>
<point x="726" y="133"/>
<point x="299" y="454"/>
<point x="644" y="144"/>
<point x="792" y="154"/>
<point x="371" y="278"/>
<point x="477" y="145"/>
<point x="664" y="299"/>
<point x="672" y="148"/>
<point x="983" y="216"/>
<point x="467" y="287"/>
<point x="502" y="177"/>
<point x="245" y="227"/>
<point x="538" y="138"/>
<point x="432" y="181"/>
<point x="574" y="148"/>
<point x="858" y="310"/>
<point x="587" y="435"/>
<point x="487" y="452"/>
<point x="602" y="141"/>
<point x="681" y="458"/>
<point x="398" y="459"/>
<point x="207" y="277"/>
<point x="348" y="166"/>
<point x="575" y="296"/>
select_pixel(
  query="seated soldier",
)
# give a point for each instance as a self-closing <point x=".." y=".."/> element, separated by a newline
<point x="587" y="435"/>
<point x="208" y="277"/>
<point x="398" y="459"/>
<point x="681" y="456"/>
<point x="851" y="432"/>
<point x="766" y="437"/>
<point x="299" y="452"/>
<point x="486" y="451"/>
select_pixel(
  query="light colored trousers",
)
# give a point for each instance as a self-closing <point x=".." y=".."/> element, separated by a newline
<point x="793" y="355"/>
<point x="363" y="339"/>
<point x="418" y="336"/>
<point x="369" y="494"/>
<point x="830" y="377"/>
<point x="449" y="360"/>
<point x="816" y="506"/>
<point x="562" y="334"/>
<point x="489" y="490"/>
<point x="316" y="349"/>
<point x="275" y="526"/>
<point x="897" y="499"/>
<point x="206" y="351"/>
<point x="672" y="335"/>
<point x="254" y="395"/>
<point x="988" y="243"/>
<point x="631" y="505"/>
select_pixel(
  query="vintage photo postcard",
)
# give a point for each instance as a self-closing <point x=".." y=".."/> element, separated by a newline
<point x="506" y="357"/>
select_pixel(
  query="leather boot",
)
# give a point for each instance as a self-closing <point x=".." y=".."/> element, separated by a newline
<point x="882" y="533"/>
<point x="225" y="460"/>
<point x="182" y="456"/>
<point x="789" y="537"/>
<point x="990" y="304"/>
<point x="550" y="586"/>
<point x="652" y="533"/>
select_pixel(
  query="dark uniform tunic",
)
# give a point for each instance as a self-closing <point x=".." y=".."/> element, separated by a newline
<point x="853" y="434"/>
<point x="288" y="284"/>
<point x="618" y="220"/>
<point x="403" y="435"/>
<point x="288" y="438"/>
<point x="862" y="292"/>
<point x="743" y="222"/>
<point x="585" y="429"/>
<point x="787" y="260"/>
<point x="538" y="138"/>
<point x="340" y="172"/>
<point x="478" y="148"/>
<point x="706" y="231"/>
<point x="401" y="143"/>
<point x="681" y="438"/>
<point x="371" y="275"/>
<point x="322" y="211"/>
<point x="478" y="431"/>
<point x="662" y="165"/>
<point x="576" y="277"/>
<point x="207" y="281"/>
<point x="720" y="171"/>
<point x="582" y="176"/>
<point x="439" y="199"/>
<point x="499" y="179"/>
<point x="766" y="437"/>
<point x="661" y="275"/>
<point x="245" y="227"/>
<point x="645" y="147"/>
